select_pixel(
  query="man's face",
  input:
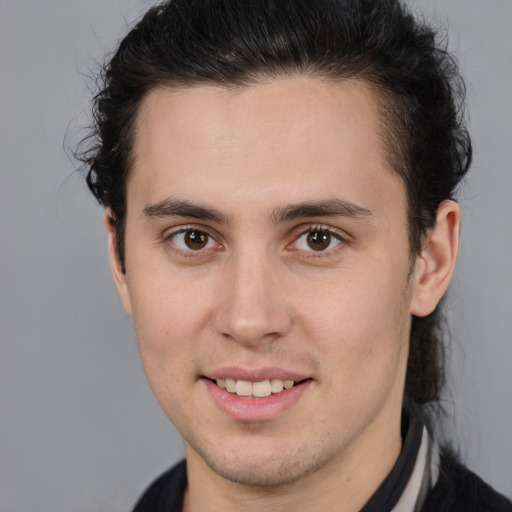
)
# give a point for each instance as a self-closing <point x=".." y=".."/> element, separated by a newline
<point x="266" y="241"/>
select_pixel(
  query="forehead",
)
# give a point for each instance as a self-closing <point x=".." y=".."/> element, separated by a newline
<point x="277" y="138"/>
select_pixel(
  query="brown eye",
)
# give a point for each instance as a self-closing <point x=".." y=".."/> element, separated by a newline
<point x="192" y="240"/>
<point x="196" y="240"/>
<point x="319" y="240"/>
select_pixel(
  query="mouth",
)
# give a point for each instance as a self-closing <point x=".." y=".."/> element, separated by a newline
<point x="258" y="394"/>
<point x="258" y="389"/>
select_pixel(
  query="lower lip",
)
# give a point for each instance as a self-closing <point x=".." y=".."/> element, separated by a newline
<point x="256" y="409"/>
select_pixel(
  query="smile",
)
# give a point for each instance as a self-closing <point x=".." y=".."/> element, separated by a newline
<point x="260" y="389"/>
<point x="256" y="400"/>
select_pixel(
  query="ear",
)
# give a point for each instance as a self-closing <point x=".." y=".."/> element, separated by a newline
<point x="435" y="264"/>
<point x="120" y="279"/>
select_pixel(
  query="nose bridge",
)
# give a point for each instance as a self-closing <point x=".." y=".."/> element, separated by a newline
<point x="252" y="309"/>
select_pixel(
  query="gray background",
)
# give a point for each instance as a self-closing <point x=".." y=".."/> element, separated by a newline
<point x="79" y="428"/>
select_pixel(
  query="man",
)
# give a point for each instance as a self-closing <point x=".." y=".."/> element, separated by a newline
<point x="278" y="178"/>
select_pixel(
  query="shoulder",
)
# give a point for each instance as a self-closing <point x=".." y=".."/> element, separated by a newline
<point x="459" y="489"/>
<point x="165" y="494"/>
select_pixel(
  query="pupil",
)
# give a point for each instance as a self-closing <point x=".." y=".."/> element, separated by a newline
<point x="319" y="240"/>
<point x="196" y="240"/>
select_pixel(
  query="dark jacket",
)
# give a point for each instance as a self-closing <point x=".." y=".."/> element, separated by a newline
<point x="460" y="490"/>
<point x="457" y="490"/>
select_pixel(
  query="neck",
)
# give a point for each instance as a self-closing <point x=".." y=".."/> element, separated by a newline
<point x="344" y="484"/>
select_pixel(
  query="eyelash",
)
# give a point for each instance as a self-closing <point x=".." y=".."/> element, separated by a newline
<point x="169" y="238"/>
<point x="333" y="233"/>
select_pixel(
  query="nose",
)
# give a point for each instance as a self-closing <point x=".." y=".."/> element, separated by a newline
<point x="253" y="306"/>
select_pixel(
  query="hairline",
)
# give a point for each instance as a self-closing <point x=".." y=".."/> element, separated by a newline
<point x="382" y="98"/>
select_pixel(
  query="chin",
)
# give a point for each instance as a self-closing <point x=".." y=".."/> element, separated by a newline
<point x="268" y="466"/>
<point x="260" y="474"/>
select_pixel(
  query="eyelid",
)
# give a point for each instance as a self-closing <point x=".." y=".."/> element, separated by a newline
<point x="306" y="228"/>
<point x="340" y="235"/>
<point x="299" y="231"/>
<point x="168" y="235"/>
<point x="183" y="228"/>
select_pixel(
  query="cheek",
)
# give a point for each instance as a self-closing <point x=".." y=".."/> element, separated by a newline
<point x="363" y="354"/>
<point x="167" y="327"/>
<point x="361" y="327"/>
<point x="169" y="318"/>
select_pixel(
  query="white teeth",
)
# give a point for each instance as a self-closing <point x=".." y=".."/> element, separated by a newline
<point x="258" y="389"/>
<point x="276" y="385"/>
<point x="230" y="385"/>
<point x="243" y="388"/>
<point x="261" y="389"/>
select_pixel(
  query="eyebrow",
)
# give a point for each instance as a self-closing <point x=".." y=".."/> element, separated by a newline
<point x="324" y="208"/>
<point x="172" y="207"/>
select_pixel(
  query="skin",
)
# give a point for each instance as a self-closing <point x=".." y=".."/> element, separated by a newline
<point x="257" y="295"/>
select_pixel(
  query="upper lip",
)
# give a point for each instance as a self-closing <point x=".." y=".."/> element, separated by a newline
<point x="255" y="374"/>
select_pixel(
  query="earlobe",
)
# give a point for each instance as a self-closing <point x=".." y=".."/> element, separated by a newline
<point x="119" y="275"/>
<point x="435" y="264"/>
